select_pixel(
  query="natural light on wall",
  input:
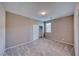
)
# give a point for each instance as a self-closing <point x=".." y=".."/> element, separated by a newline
<point x="48" y="27"/>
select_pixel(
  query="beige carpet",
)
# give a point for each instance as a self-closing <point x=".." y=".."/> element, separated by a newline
<point x="41" y="47"/>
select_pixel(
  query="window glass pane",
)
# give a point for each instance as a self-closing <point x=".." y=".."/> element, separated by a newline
<point x="48" y="27"/>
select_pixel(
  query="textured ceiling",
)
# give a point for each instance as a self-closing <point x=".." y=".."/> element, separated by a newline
<point x="32" y="9"/>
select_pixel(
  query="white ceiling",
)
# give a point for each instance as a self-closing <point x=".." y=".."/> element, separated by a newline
<point x="32" y="9"/>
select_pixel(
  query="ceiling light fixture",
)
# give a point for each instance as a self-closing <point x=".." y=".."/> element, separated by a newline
<point x="43" y="13"/>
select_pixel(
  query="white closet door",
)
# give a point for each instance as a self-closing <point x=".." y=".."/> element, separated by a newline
<point x="35" y="32"/>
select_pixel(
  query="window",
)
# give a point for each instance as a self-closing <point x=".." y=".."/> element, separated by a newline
<point x="48" y="27"/>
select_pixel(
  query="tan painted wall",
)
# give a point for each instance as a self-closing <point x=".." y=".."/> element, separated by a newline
<point x="18" y="29"/>
<point x="62" y="30"/>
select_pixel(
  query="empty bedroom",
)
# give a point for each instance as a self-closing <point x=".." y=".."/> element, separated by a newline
<point x="39" y="29"/>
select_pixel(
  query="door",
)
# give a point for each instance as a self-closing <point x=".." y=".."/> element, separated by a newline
<point x="35" y="32"/>
<point x="2" y="29"/>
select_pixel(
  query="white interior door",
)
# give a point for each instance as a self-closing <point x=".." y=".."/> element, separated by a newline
<point x="76" y="30"/>
<point x="2" y="29"/>
<point x="35" y="32"/>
